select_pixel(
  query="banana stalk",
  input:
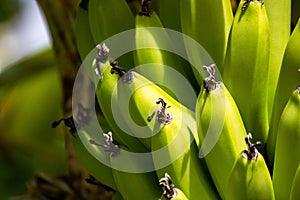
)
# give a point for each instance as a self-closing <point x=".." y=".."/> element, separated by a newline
<point x="220" y="129"/>
<point x="288" y="78"/>
<point x="249" y="177"/>
<point x="295" y="194"/>
<point x="245" y="69"/>
<point x="287" y="148"/>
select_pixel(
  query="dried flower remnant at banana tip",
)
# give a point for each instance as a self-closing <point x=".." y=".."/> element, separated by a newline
<point x="210" y="82"/>
<point x="247" y="2"/>
<point x="161" y="115"/>
<point x="126" y="77"/>
<point x="167" y="184"/>
<point x="108" y="144"/>
<point x="252" y="152"/>
<point x="101" y="58"/>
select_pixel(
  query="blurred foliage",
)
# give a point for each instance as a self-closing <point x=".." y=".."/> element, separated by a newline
<point x="30" y="100"/>
<point x="8" y="8"/>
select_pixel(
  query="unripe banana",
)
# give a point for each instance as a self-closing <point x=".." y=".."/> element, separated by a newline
<point x="220" y="128"/>
<point x="130" y="185"/>
<point x="279" y="17"/>
<point x="100" y="171"/>
<point x="171" y="128"/>
<point x="149" y="43"/>
<point x="209" y="24"/>
<point x="288" y="78"/>
<point x="170" y="192"/>
<point x="84" y="38"/>
<point x="245" y="71"/>
<point x="295" y="193"/>
<point x="107" y="99"/>
<point x="104" y="23"/>
<point x="169" y="13"/>
<point x="287" y="149"/>
<point x="249" y="177"/>
<point x="117" y="196"/>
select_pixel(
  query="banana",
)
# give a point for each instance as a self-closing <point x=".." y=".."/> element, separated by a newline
<point x="97" y="169"/>
<point x="220" y="128"/>
<point x="209" y="24"/>
<point x="107" y="99"/>
<point x="249" y="177"/>
<point x="295" y="194"/>
<point x="149" y="43"/>
<point x="105" y="24"/>
<point x="117" y="196"/>
<point x="246" y="75"/>
<point x="287" y="149"/>
<point x="166" y="128"/>
<point x="169" y="13"/>
<point x="170" y="192"/>
<point x="130" y="185"/>
<point x="288" y="78"/>
<point x="84" y="39"/>
<point x="279" y="17"/>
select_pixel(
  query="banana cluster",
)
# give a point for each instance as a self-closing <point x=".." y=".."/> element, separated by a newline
<point x="244" y="90"/>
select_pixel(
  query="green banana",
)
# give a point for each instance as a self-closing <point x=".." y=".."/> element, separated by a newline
<point x="287" y="149"/>
<point x="288" y="78"/>
<point x="130" y="185"/>
<point x="117" y="196"/>
<point x="97" y="169"/>
<point x="169" y="13"/>
<point x="295" y="194"/>
<point x="246" y="75"/>
<point x="209" y="24"/>
<point x="84" y="39"/>
<point x="105" y="24"/>
<point x="170" y="192"/>
<point x="279" y="17"/>
<point x="149" y="43"/>
<point x="249" y="177"/>
<point x="168" y="133"/>
<point x="107" y="99"/>
<point x="220" y="128"/>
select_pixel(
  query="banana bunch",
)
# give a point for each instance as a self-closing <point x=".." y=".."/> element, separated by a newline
<point x="186" y="114"/>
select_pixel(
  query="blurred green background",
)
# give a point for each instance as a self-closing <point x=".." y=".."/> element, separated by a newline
<point x="30" y="99"/>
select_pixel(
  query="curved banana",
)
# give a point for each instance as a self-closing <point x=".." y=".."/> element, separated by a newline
<point x="107" y="99"/>
<point x="279" y="17"/>
<point x="288" y="78"/>
<point x="105" y="24"/>
<point x="167" y="128"/>
<point x="170" y="192"/>
<point x="149" y="42"/>
<point x="209" y="24"/>
<point x="220" y="129"/>
<point x="295" y="194"/>
<point x="287" y="149"/>
<point x="84" y="39"/>
<point x="245" y="69"/>
<point x="249" y="177"/>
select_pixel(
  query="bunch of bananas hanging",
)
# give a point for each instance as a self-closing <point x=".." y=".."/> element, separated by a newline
<point x="242" y="86"/>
